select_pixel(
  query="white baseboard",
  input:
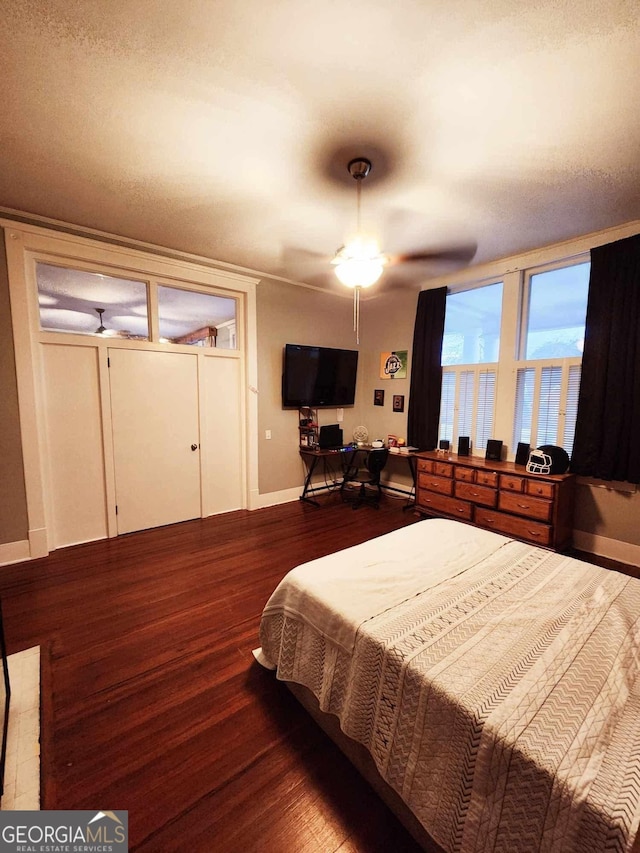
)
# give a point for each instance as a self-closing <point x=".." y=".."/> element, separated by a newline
<point x="14" y="552"/>
<point x="614" y="549"/>
<point x="258" y="501"/>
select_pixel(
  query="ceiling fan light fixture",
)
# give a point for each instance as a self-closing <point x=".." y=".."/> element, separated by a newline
<point x="101" y="328"/>
<point x="359" y="273"/>
<point x="360" y="263"/>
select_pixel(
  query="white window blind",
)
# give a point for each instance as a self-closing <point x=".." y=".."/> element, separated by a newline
<point x="465" y="402"/>
<point x="524" y="405"/>
<point x="571" y="407"/>
<point x="447" y="404"/>
<point x="468" y="404"/>
<point x="486" y="407"/>
<point x="549" y="405"/>
<point x="546" y="404"/>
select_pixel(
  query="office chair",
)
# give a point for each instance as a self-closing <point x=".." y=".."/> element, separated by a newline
<point x="368" y="478"/>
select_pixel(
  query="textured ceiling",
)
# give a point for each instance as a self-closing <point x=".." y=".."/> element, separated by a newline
<point x="224" y="128"/>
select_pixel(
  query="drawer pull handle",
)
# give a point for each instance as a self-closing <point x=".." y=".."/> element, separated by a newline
<point x="534" y="533"/>
<point x="475" y="494"/>
<point x="523" y="506"/>
<point x="489" y="520"/>
<point x="460" y="509"/>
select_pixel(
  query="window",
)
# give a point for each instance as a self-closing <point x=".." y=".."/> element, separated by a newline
<point x="89" y="303"/>
<point x="471" y="338"/>
<point x="196" y="319"/>
<point x="544" y="373"/>
<point x="548" y="377"/>
<point x="467" y="404"/>
<point x="556" y="312"/>
<point x="472" y="326"/>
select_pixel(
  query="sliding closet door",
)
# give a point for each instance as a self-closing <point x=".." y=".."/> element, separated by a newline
<point x="154" y="408"/>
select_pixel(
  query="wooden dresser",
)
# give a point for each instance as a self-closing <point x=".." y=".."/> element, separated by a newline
<point x="500" y="496"/>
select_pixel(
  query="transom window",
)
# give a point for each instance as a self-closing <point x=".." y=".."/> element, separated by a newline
<point x="90" y="303"/>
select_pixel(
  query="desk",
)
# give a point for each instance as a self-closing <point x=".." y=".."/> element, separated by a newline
<point x="347" y="457"/>
<point x="311" y="457"/>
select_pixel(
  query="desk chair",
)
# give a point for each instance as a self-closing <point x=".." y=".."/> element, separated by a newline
<point x="368" y="478"/>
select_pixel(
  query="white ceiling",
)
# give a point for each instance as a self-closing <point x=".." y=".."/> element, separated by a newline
<point x="224" y="129"/>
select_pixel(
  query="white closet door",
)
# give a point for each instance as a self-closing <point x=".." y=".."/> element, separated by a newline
<point x="74" y="459"/>
<point x="222" y="436"/>
<point x="154" y="407"/>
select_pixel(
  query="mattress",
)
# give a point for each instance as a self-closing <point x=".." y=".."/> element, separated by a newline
<point x="495" y="684"/>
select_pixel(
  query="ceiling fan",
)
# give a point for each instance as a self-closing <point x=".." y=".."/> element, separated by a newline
<point x="360" y="262"/>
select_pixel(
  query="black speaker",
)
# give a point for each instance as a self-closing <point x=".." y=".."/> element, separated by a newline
<point x="443" y="444"/>
<point x="494" y="450"/>
<point x="522" y="453"/>
<point x="464" y="445"/>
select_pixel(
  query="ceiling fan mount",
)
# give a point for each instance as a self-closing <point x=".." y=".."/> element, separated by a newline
<point x="359" y="168"/>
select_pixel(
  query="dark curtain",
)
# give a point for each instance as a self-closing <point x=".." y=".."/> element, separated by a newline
<point x="426" y="372"/>
<point x="607" y="439"/>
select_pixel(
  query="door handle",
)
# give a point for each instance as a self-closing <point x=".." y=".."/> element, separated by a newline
<point x="194" y="446"/>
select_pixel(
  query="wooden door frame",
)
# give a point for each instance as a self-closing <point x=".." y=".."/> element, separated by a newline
<point x="27" y="244"/>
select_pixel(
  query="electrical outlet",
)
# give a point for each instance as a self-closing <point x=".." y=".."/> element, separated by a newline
<point x="339" y="415"/>
<point x="267" y="433"/>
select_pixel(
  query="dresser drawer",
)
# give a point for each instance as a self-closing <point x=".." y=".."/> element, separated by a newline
<point x="511" y="483"/>
<point x="525" y="505"/>
<point x="487" y="478"/>
<point x="540" y="489"/>
<point x="443" y="504"/>
<point x="510" y="525"/>
<point x="476" y="494"/>
<point x="425" y="465"/>
<point x="445" y="469"/>
<point x="435" y="484"/>
<point x="466" y="474"/>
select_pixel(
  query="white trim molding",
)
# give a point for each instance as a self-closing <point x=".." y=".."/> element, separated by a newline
<point x="613" y="549"/>
<point x="14" y="552"/>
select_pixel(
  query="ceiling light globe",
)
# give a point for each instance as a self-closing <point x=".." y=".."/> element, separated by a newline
<point x="359" y="272"/>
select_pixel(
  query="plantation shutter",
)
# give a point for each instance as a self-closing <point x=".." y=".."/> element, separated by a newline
<point x="465" y="402"/>
<point x="486" y="406"/>
<point x="549" y="405"/>
<point x="573" y="391"/>
<point x="447" y="405"/>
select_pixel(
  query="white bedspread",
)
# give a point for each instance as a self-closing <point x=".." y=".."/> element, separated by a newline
<point x="335" y="595"/>
<point x="495" y="684"/>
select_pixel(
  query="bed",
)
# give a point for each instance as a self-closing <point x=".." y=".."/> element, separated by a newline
<point x="493" y="686"/>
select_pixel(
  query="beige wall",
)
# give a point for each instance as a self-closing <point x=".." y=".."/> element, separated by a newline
<point x="601" y="511"/>
<point x="297" y="315"/>
<point x="13" y="502"/>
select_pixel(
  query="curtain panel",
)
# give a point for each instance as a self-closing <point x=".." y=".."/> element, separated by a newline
<point x="607" y="438"/>
<point x="426" y="370"/>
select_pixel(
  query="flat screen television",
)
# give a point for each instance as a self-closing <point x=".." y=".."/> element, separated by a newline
<point x="318" y="376"/>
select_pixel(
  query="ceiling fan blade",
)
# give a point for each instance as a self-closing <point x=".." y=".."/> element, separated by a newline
<point x="462" y="253"/>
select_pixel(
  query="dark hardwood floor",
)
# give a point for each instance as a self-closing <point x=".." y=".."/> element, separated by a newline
<point x="152" y="701"/>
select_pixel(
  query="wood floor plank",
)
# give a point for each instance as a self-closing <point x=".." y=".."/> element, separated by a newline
<point x="152" y="701"/>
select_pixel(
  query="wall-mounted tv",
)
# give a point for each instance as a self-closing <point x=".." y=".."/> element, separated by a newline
<point x="318" y="376"/>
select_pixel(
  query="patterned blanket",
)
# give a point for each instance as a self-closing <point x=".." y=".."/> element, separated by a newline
<point x="502" y="703"/>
